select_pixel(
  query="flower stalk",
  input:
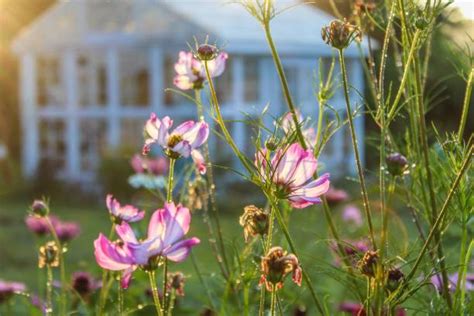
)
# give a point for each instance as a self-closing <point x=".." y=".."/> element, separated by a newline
<point x="355" y="145"/>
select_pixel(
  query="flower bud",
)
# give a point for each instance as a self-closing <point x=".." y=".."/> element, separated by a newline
<point x="397" y="164"/>
<point x="271" y="143"/>
<point x="49" y="255"/>
<point x="394" y="278"/>
<point x="340" y="34"/>
<point x="39" y="208"/>
<point x="368" y="263"/>
<point x="254" y="221"/>
<point x="276" y="265"/>
<point x="207" y="52"/>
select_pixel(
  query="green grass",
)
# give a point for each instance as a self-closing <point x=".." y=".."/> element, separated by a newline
<point x="18" y="260"/>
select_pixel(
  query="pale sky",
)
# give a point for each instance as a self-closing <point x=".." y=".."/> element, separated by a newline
<point x="466" y="6"/>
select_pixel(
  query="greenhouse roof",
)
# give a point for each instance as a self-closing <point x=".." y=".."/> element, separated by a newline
<point x="92" y="23"/>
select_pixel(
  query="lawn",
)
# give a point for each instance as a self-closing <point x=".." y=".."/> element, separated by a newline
<point x="308" y="227"/>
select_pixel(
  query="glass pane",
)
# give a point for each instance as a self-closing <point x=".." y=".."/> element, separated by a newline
<point x="52" y="144"/>
<point x="252" y="79"/>
<point x="134" y="78"/>
<point x="132" y="132"/>
<point x="224" y="82"/>
<point x="92" y="143"/>
<point x="92" y="80"/>
<point x="49" y="80"/>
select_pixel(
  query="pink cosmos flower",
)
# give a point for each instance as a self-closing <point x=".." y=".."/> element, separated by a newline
<point x="127" y="213"/>
<point x="166" y="230"/>
<point x="190" y="72"/>
<point x="335" y="196"/>
<point x="39" y="225"/>
<point x="291" y="170"/>
<point x="437" y="281"/>
<point x="67" y="231"/>
<point x="7" y="289"/>
<point x="156" y="166"/>
<point x="182" y="141"/>
<point x="288" y="126"/>
<point x="351" y="213"/>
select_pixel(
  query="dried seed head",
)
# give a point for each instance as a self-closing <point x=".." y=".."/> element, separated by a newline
<point x="49" y="255"/>
<point x="255" y="221"/>
<point x="340" y="34"/>
<point x="176" y="282"/>
<point x="362" y="7"/>
<point x="276" y="265"/>
<point x="207" y="52"/>
<point x="394" y="278"/>
<point x="39" y="208"/>
<point x="368" y="263"/>
<point x="197" y="194"/>
<point x="397" y="164"/>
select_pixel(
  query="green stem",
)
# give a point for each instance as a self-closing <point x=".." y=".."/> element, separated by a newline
<point x="261" y="309"/>
<point x="62" y="269"/>
<point x="440" y="217"/>
<point x="203" y="283"/>
<point x="355" y="146"/>
<point x="246" y="299"/>
<point x="222" y="257"/>
<point x="165" y="286"/>
<point x="429" y="178"/>
<point x="169" y="192"/>
<point x="220" y="120"/>
<point x="306" y="278"/>
<point x="284" y="83"/>
<point x="120" y="297"/>
<point x="411" y="55"/>
<point x="154" y="289"/>
<point x="465" y="107"/>
<point x="105" y="274"/>
<point x="273" y="301"/>
<point x="49" y="290"/>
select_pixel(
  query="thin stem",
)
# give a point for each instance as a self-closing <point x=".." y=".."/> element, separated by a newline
<point x="212" y="196"/>
<point x="105" y="274"/>
<point x="356" y="149"/>
<point x="156" y="296"/>
<point x="411" y="55"/>
<point x="285" y="231"/>
<point x="201" y="279"/>
<point x="273" y="301"/>
<point x="261" y="309"/>
<point x="465" y="107"/>
<point x="284" y="84"/>
<point x="220" y="120"/>
<point x="49" y="291"/>
<point x="441" y="216"/>
<point x="120" y="297"/>
<point x="429" y="178"/>
<point x="169" y="192"/>
<point x="62" y="269"/>
<point x="165" y="286"/>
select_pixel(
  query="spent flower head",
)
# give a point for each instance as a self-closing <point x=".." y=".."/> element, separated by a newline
<point x="176" y="282"/>
<point x="276" y="265"/>
<point x="84" y="283"/>
<point x="340" y="34"/>
<point x="394" y="278"/>
<point x="49" y="255"/>
<point x="368" y="264"/>
<point x="255" y="222"/>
